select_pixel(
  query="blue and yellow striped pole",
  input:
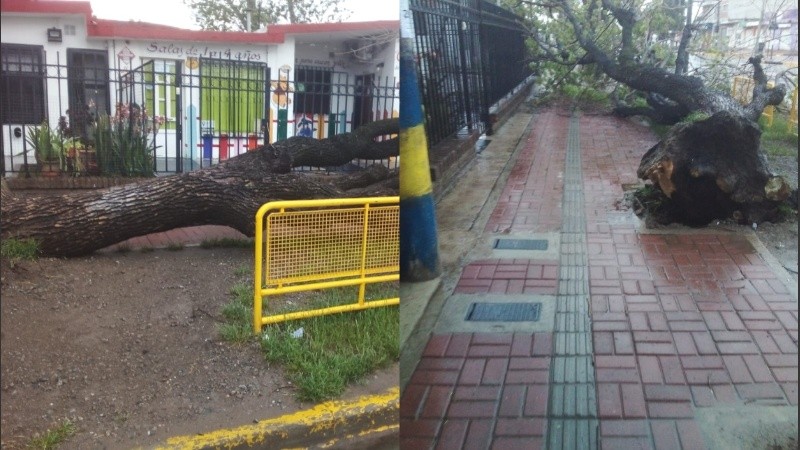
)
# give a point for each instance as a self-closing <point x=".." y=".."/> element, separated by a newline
<point x="419" y="247"/>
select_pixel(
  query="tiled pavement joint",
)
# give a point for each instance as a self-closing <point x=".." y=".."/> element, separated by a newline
<point x="572" y="406"/>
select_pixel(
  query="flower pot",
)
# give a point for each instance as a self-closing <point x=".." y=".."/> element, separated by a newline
<point x="89" y="161"/>
<point x="50" y="169"/>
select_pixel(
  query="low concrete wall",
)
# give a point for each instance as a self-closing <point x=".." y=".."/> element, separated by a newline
<point x="448" y="157"/>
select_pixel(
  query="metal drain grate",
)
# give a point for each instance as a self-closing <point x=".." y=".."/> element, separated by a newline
<point x="504" y="312"/>
<point x="520" y="244"/>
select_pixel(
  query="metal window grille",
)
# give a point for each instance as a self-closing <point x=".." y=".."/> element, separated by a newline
<point x="22" y="84"/>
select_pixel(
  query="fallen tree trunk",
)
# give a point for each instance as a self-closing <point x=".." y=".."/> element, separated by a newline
<point x="226" y="194"/>
<point x="712" y="169"/>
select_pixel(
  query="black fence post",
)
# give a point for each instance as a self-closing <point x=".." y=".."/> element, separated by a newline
<point x="179" y="119"/>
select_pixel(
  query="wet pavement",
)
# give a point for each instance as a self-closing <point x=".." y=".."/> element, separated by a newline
<point x="560" y="321"/>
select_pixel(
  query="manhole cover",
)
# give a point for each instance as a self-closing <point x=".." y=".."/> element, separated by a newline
<point x="504" y="312"/>
<point x="520" y="244"/>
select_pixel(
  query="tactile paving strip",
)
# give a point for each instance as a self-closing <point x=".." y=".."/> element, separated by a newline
<point x="572" y="409"/>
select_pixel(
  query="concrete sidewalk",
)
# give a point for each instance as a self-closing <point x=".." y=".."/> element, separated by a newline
<point x="672" y="338"/>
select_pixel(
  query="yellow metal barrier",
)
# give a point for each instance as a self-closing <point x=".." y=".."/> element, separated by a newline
<point x="742" y="91"/>
<point x="316" y="244"/>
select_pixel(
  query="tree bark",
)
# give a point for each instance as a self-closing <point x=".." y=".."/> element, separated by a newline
<point x="229" y="194"/>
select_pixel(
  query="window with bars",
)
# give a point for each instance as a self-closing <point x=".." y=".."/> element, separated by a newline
<point x="232" y="95"/>
<point x="160" y="77"/>
<point x="312" y="90"/>
<point x="22" y="84"/>
<point x="87" y="71"/>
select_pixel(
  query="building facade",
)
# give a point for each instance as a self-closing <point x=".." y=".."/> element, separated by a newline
<point x="203" y="96"/>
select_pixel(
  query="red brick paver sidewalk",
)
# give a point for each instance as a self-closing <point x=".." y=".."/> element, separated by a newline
<point x="679" y="321"/>
<point x="187" y="236"/>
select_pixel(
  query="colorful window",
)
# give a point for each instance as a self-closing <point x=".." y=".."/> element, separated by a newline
<point x="232" y="96"/>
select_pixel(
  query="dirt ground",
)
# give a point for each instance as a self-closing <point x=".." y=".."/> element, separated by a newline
<point x="126" y="346"/>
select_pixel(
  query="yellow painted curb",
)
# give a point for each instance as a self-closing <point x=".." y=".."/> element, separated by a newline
<point x="325" y="423"/>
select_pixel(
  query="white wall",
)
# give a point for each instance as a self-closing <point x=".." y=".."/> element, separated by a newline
<point x="32" y="30"/>
<point x="126" y="54"/>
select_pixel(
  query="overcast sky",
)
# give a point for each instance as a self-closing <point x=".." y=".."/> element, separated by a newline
<point x="175" y="13"/>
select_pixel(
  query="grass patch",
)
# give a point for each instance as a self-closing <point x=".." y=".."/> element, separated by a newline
<point x="777" y="140"/>
<point x="174" y="247"/>
<point x="15" y="250"/>
<point x="226" y="243"/>
<point x="243" y="271"/>
<point x="238" y="315"/>
<point x="339" y="349"/>
<point x="124" y="248"/>
<point x="694" y="116"/>
<point x="660" y="129"/>
<point x="333" y="351"/>
<point x="147" y="249"/>
<point x="53" y="438"/>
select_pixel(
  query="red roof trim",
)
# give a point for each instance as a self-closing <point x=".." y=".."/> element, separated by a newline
<point x="301" y="28"/>
<point x="275" y="33"/>
<point x="46" y="7"/>
<point x="104" y="28"/>
<point x="111" y="29"/>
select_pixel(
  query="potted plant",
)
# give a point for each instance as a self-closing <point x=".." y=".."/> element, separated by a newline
<point x="78" y="150"/>
<point x="74" y="160"/>
<point x="47" y="148"/>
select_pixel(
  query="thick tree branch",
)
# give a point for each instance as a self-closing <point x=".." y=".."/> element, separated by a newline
<point x="763" y="96"/>
<point x="229" y="194"/>
<point x="343" y="148"/>
<point x="626" y="19"/>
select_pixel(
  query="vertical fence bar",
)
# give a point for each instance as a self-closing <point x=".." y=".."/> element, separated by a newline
<point x="362" y="288"/>
<point x="471" y="55"/>
<point x="202" y="100"/>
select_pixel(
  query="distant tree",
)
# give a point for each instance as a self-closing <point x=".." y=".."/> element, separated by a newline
<point x="231" y="15"/>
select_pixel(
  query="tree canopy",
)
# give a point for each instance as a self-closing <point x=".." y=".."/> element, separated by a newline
<point x="231" y="15"/>
<point x="643" y="45"/>
<point x="708" y="167"/>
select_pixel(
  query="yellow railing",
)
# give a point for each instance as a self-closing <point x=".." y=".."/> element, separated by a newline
<point x="742" y="91"/>
<point x="304" y="245"/>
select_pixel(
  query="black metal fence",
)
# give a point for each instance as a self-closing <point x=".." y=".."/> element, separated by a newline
<point x="162" y="118"/>
<point x="471" y="54"/>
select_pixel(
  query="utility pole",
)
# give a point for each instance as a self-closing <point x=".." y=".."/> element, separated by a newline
<point x="419" y="245"/>
<point x="756" y="50"/>
<point x="249" y="14"/>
